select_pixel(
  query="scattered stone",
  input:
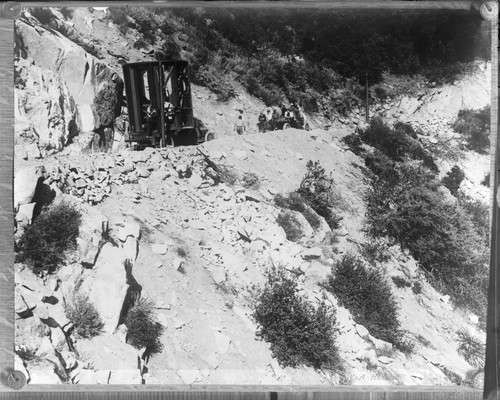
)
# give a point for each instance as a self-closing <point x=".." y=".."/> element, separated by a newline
<point x="159" y="248"/>
<point x="195" y="180"/>
<point x="312" y="253"/>
<point x="43" y="372"/>
<point x="240" y="154"/>
<point x="445" y="299"/>
<point x="474" y="319"/>
<point x="386" y="360"/>
<point x="362" y="331"/>
<point x="69" y="359"/>
<point x="222" y="341"/>
<point x="177" y="263"/>
<point x="129" y="229"/>
<point x="24" y="215"/>
<point x="125" y="377"/>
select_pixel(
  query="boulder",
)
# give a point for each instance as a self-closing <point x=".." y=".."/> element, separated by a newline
<point x="43" y="372"/>
<point x="362" y="331"/>
<point x="30" y="332"/>
<point x="25" y="183"/>
<point x="94" y="225"/>
<point x="107" y="285"/>
<point x="222" y="341"/>
<point x="107" y="352"/>
<point x="85" y="377"/>
<point x="129" y="229"/>
<point x="312" y="253"/>
<point x="24" y="215"/>
<point x="125" y="377"/>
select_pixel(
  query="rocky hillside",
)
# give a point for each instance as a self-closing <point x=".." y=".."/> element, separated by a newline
<point x="195" y="229"/>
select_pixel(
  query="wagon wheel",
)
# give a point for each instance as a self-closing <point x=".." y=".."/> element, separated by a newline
<point x="169" y="141"/>
<point x="307" y="127"/>
<point x="286" y="125"/>
<point x="209" y="136"/>
<point x="477" y="380"/>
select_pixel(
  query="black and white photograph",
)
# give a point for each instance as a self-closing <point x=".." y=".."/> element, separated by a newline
<point x="251" y="195"/>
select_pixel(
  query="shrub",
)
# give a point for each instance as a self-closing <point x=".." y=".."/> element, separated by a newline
<point x="479" y="215"/>
<point x="54" y="231"/>
<point x="67" y="12"/>
<point x="290" y="225"/>
<point x="368" y="297"/>
<point x="294" y="201"/>
<point x="401" y="282"/>
<point x="43" y="14"/>
<point x="378" y="162"/>
<point x="299" y="333"/>
<point x="250" y="180"/>
<point x="453" y="179"/>
<point x="143" y="329"/>
<point x="376" y="250"/>
<point x="354" y="143"/>
<point x="398" y="143"/>
<point x="86" y="319"/>
<point x="471" y="348"/>
<point x="486" y="180"/>
<point x="417" y="288"/>
<point x="406" y="205"/>
<point x="475" y="126"/>
<point x="318" y="191"/>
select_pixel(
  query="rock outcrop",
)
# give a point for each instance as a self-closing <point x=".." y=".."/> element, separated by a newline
<point x="61" y="89"/>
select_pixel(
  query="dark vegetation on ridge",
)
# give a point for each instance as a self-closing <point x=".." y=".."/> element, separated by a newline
<point x="316" y="57"/>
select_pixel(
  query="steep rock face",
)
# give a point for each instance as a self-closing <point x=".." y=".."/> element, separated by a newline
<point x="93" y="87"/>
<point x="45" y="111"/>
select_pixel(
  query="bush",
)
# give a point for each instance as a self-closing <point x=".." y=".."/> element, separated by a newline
<point x="298" y="333"/>
<point x="475" y="126"/>
<point x="378" y="162"/>
<point x="398" y="143"/>
<point x="401" y="282"/>
<point x="250" y="180"/>
<point x="354" y="143"/>
<point x="471" y="348"/>
<point x="486" y="180"/>
<point x="296" y="202"/>
<point x="404" y="203"/>
<point x="86" y="319"/>
<point x="67" y="12"/>
<point x="54" y="231"/>
<point x="416" y="288"/>
<point x="376" y="250"/>
<point x="368" y="297"/>
<point x="290" y="225"/>
<point x="143" y="329"/>
<point x="453" y="179"/>
<point x="43" y="14"/>
<point x="318" y="191"/>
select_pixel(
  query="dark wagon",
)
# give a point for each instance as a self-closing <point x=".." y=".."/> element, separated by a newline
<point x="160" y="106"/>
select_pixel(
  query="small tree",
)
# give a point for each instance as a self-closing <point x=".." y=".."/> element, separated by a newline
<point x="366" y="294"/>
<point x="318" y="190"/>
<point x="298" y="332"/>
<point x="475" y="126"/>
<point x="453" y="179"/>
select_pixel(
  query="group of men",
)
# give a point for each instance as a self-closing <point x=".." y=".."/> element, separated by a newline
<point x="268" y="120"/>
